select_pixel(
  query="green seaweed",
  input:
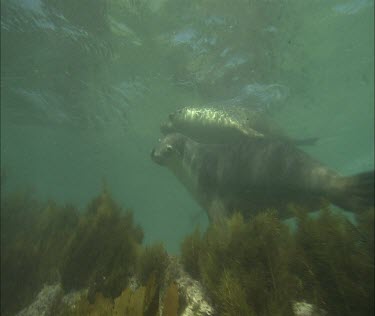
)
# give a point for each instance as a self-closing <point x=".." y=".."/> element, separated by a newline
<point x="335" y="260"/>
<point x="260" y="267"/>
<point x="101" y="306"/>
<point x="153" y="260"/>
<point x="233" y="295"/>
<point x="134" y="302"/>
<point x="191" y="247"/>
<point x="103" y="251"/>
<point x="130" y="302"/>
<point x="245" y="265"/>
<point x="33" y="236"/>
<point x="254" y="267"/>
<point x="45" y="243"/>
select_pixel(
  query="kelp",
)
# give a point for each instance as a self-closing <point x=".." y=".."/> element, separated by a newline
<point x="46" y="243"/>
<point x="335" y="261"/>
<point x="171" y="301"/>
<point x="260" y="267"/>
<point x="152" y="261"/>
<point x="100" y="306"/>
<point x="142" y="301"/>
<point x="33" y="237"/>
<point x="103" y="251"/>
<point x="247" y="267"/>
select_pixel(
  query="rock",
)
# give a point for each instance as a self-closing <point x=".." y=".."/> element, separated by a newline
<point x="306" y="309"/>
<point x="71" y="299"/>
<point x="44" y="304"/>
<point x="196" y="302"/>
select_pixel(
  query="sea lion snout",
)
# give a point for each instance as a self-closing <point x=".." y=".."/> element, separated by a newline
<point x="161" y="153"/>
<point x="156" y="157"/>
<point x="168" y="149"/>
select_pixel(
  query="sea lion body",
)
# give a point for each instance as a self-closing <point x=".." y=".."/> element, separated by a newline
<point x="209" y="125"/>
<point x="213" y="125"/>
<point x="258" y="174"/>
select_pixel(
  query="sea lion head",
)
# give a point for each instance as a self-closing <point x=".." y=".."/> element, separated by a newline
<point x="170" y="149"/>
<point x="167" y="127"/>
<point x="176" y="121"/>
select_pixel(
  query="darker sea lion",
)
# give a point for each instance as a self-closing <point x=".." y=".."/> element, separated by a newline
<point x="213" y="125"/>
<point x="258" y="174"/>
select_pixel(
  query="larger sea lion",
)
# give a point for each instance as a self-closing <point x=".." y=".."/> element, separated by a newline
<point x="213" y="125"/>
<point x="258" y="174"/>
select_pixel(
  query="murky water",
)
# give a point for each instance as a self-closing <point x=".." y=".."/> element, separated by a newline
<point x="85" y="86"/>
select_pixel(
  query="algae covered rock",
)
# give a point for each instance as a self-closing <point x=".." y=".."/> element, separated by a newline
<point x="180" y="289"/>
<point x="45" y="303"/>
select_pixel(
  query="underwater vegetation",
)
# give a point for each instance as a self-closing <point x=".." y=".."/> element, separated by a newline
<point x="102" y="252"/>
<point x="63" y="261"/>
<point x="335" y="260"/>
<point x="245" y="266"/>
<point x="249" y="267"/>
<point x="261" y="267"/>
<point x="97" y="253"/>
<point x="28" y="258"/>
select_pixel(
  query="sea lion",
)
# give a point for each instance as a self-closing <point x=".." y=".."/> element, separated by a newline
<point x="212" y="125"/>
<point x="257" y="174"/>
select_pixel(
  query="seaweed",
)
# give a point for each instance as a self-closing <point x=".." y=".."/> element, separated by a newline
<point x="32" y="238"/>
<point x="191" y="248"/>
<point x="260" y="267"/>
<point x="45" y="243"/>
<point x="171" y="301"/>
<point x="130" y="302"/>
<point x="233" y="295"/>
<point x="100" y="306"/>
<point x="135" y="302"/>
<point x="103" y="251"/>
<point x="335" y="260"/>
<point x="153" y="260"/>
<point x="246" y="265"/>
<point x="152" y="297"/>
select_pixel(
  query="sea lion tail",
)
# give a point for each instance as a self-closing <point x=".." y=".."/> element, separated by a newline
<point x="358" y="192"/>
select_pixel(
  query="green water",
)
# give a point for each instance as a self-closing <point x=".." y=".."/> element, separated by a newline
<point x="86" y="84"/>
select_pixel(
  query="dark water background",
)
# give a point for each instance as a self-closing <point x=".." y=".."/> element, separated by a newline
<point x="85" y="85"/>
